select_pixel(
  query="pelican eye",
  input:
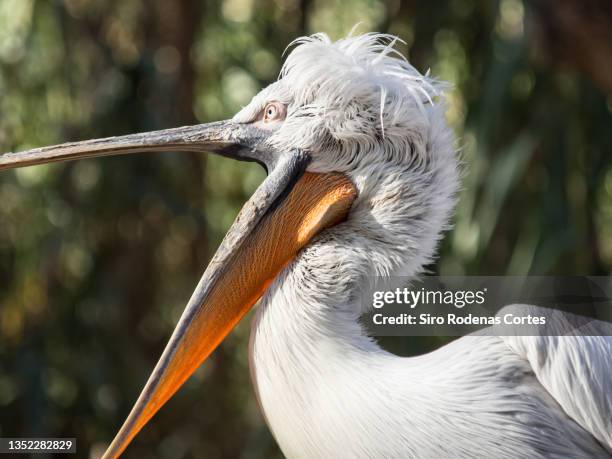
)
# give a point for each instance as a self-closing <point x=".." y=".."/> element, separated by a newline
<point x="274" y="111"/>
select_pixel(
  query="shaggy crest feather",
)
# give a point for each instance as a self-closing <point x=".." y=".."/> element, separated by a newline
<point x="333" y="75"/>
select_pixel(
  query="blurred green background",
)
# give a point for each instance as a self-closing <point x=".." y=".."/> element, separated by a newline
<point x="98" y="258"/>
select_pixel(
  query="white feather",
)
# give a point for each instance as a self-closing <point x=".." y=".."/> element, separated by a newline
<point x="327" y="389"/>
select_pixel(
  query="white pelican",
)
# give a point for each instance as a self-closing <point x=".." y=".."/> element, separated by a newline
<point x="362" y="182"/>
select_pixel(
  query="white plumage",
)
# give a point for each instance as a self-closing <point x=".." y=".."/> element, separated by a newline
<point x="356" y="120"/>
<point x="352" y="133"/>
<point x="327" y="389"/>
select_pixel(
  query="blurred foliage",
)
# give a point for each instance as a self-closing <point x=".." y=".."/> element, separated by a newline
<point x="97" y="258"/>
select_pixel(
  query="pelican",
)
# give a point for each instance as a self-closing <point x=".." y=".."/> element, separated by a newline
<point x="362" y="181"/>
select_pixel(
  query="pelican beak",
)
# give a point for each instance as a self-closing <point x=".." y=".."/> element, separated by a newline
<point x="288" y="209"/>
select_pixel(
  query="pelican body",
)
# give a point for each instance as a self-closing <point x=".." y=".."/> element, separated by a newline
<point x="363" y="176"/>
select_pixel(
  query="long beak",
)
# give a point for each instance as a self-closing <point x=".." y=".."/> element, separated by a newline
<point x="288" y="209"/>
<point x="226" y="138"/>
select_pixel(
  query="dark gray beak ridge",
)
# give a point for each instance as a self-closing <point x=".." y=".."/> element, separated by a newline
<point x="243" y="142"/>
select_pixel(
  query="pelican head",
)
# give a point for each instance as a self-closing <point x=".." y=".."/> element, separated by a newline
<point x="362" y="176"/>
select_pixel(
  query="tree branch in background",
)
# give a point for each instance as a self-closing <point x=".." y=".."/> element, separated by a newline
<point x="579" y="33"/>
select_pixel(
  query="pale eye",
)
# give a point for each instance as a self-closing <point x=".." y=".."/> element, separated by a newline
<point x="271" y="112"/>
<point x="274" y="111"/>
